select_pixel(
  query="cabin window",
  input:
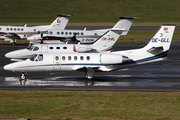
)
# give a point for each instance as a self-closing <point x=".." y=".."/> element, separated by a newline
<point x="70" y="33"/>
<point x="11" y="29"/>
<point x="88" y="58"/>
<point x="0" y="28"/>
<point x="34" y="29"/>
<point x="82" y="33"/>
<point x="14" y="29"/>
<point x="95" y="34"/>
<point x="77" y="33"/>
<point x="57" y="58"/>
<point x="62" y="33"/>
<point x="81" y="58"/>
<point x="58" y="48"/>
<point x="36" y="48"/>
<point x="7" y="28"/>
<point x="63" y="58"/>
<point x="22" y="29"/>
<point x="74" y="33"/>
<point x="51" y="48"/>
<point x="69" y="58"/>
<point x="66" y="33"/>
<point x="64" y="47"/>
<point x="18" y="29"/>
<point x="75" y="58"/>
<point x="58" y="33"/>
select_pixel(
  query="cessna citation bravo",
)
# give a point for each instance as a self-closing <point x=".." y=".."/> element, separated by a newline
<point x="82" y="36"/>
<point x="12" y="33"/>
<point x="100" y="45"/>
<point x="156" y="50"/>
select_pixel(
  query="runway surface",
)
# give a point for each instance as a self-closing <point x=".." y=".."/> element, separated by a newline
<point x="159" y="76"/>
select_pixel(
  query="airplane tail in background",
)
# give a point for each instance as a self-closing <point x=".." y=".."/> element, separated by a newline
<point x="161" y="41"/>
<point x="60" y="22"/>
<point x="106" y="41"/>
<point x="124" y="24"/>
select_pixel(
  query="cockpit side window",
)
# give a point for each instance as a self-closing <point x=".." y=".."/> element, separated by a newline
<point x="40" y="57"/>
<point x="46" y="32"/>
<point x="36" y="48"/>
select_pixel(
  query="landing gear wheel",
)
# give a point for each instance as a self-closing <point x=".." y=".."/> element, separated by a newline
<point x="23" y="79"/>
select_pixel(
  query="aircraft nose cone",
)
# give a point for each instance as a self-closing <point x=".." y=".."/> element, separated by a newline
<point x="7" y="67"/>
<point x="9" y="55"/>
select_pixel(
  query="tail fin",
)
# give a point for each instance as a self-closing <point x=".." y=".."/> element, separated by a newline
<point x="161" y="41"/>
<point x="106" y="41"/>
<point x="60" y="22"/>
<point x="124" y="24"/>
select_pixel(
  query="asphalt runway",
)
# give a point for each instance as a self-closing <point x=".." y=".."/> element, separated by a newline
<point x="159" y="76"/>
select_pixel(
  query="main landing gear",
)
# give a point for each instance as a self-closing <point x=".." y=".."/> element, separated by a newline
<point x="23" y="79"/>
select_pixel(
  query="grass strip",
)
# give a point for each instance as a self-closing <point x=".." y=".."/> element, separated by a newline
<point x="89" y="105"/>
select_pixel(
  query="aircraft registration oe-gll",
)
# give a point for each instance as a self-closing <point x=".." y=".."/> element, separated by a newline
<point x="82" y="36"/>
<point x="12" y="33"/>
<point x="156" y="50"/>
<point x="98" y="46"/>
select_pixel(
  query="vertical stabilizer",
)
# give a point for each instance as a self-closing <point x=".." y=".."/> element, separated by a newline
<point x="161" y="41"/>
<point x="60" y="22"/>
<point x="124" y="24"/>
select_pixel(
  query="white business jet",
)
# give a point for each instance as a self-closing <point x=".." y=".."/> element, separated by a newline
<point x="12" y="33"/>
<point x="100" y="45"/>
<point x="82" y="36"/>
<point x="156" y="50"/>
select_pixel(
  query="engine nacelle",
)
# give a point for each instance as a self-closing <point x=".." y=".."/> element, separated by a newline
<point x="114" y="59"/>
<point x="81" y="48"/>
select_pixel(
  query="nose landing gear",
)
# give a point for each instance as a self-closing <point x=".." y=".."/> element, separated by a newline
<point x="23" y="79"/>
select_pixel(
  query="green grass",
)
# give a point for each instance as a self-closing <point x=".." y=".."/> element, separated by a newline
<point x="89" y="11"/>
<point x="89" y="105"/>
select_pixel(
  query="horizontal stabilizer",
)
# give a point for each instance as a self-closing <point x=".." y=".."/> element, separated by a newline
<point x="155" y="50"/>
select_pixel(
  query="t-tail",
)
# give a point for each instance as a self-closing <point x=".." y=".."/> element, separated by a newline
<point x="60" y="22"/>
<point x="105" y="42"/>
<point x="124" y="24"/>
<point x="161" y="41"/>
<point x="157" y="48"/>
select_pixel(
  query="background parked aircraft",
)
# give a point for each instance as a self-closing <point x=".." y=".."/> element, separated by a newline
<point x="12" y="33"/>
<point x="100" y="45"/>
<point x="83" y="36"/>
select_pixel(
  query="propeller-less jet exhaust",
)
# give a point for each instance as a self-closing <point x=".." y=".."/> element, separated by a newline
<point x="156" y="50"/>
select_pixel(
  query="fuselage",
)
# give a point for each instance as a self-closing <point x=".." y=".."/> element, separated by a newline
<point x="84" y="36"/>
<point x="21" y="31"/>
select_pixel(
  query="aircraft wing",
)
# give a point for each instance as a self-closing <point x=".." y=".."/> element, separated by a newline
<point x="12" y="36"/>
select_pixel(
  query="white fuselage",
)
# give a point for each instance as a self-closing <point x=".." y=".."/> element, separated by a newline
<point x="21" y="31"/>
<point x="84" y="36"/>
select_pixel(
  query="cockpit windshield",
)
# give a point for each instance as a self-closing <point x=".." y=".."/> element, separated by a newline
<point x="37" y="58"/>
<point x="46" y="32"/>
<point x="30" y="47"/>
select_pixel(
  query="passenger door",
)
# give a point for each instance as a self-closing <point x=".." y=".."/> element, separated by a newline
<point x="44" y="49"/>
